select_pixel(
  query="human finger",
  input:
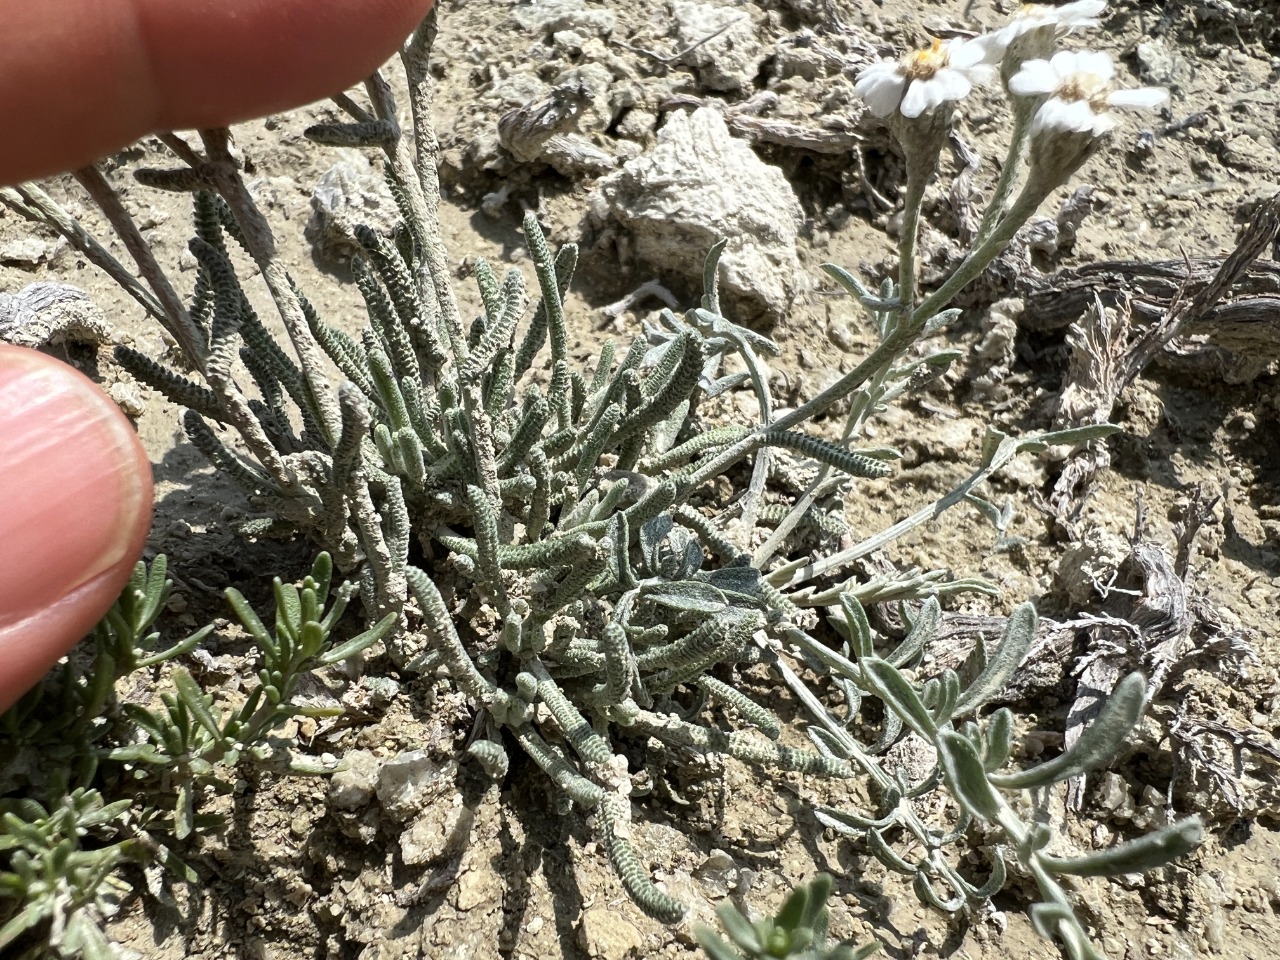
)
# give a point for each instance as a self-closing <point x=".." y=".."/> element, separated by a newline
<point x="81" y="78"/>
<point x="75" y="506"/>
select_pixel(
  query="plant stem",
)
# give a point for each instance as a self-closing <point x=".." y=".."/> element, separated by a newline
<point x="175" y="317"/>
<point x="980" y="257"/>
<point x="917" y="179"/>
<point x="905" y="333"/>
<point x="1009" y="172"/>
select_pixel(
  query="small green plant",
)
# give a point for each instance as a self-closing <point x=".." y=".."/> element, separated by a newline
<point x="544" y="532"/>
<point x="798" y="932"/>
<point x="59" y="885"/>
<point x="189" y="741"/>
<point x="70" y="745"/>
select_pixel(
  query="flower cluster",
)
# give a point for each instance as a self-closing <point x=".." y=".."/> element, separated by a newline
<point x="1069" y="92"/>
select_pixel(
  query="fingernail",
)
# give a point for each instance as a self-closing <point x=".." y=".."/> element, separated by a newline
<point x="75" y="485"/>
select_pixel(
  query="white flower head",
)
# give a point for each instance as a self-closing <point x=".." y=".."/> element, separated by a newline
<point x="1079" y="91"/>
<point x="926" y="79"/>
<point x="1031" y="32"/>
<point x="1064" y="19"/>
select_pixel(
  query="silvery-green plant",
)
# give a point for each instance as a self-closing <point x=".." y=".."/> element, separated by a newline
<point x="968" y="756"/>
<point x="611" y="601"/>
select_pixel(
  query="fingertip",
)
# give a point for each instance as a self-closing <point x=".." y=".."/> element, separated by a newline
<point x="83" y="78"/>
<point x="240" y="59"/>
<point x="75" y="508"/>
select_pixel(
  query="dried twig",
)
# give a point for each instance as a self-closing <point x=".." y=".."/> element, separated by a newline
<point x="176" y="319"/>
<point x="836" y="135"/>
<point x="670" y="59"/>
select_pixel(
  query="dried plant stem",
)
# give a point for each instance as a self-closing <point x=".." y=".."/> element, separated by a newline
<point x="31" y="201"/>
<point x="181" y="149"/>
<point x="174" y="314"/>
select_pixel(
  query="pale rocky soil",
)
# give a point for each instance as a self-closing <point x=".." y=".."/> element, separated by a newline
<point x="297" y="877"/>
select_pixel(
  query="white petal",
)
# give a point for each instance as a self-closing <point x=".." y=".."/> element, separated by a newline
<point x="1064" y="63"/>
<point x="1098" y="64"/>
<point x="1081" y="23"/>
<point x="994" y="44"/>
<point x="1143" y="98"/>
<point x="966" y="53"/>
<point x="1077" y="116"/>
<point x="882" y="93"/>
<point x="1104" y="122"/>
<point x="981" y="74"/>
<point x="1074" y="116"/>
<point x="919" y="98"/>
<point x="875" y="74"/>
<point x="951" y="85"/>
<point x="1046" y="117"/>
<point x="1010" y="32"/>
<point x="1035" y="77"/>
<point x="1079" y="14"/>
<point x="885" y="68"/>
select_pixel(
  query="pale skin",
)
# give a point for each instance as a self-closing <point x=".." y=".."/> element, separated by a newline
<point x="78" y="80"/>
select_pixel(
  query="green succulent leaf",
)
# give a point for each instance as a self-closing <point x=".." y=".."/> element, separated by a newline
<point x="1143" y="853"/>
<point x="997" y="740"/>
<point x="740" y="930"/>
<point x="689" y="595"/>
<point x="715" y="948"/>
<point x="857" y="626"/>
<point x="32" y="914"/>
<point x="1097" y="744"/>
<point x="193" y="698"/>
<point x="884" y="680"/>
<point x="926" y="625"/>
<point x="357" y="644"/>
<point x="1019" y="633"/>
<point x="966" y="777"/>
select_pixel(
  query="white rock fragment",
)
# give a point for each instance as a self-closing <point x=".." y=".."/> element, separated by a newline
<point x="407" y="782"/>
<point x="717" y="873"/>
<point x="1088" y="568"/>
<point x="604" y="933"/>
<point x="442" y="831"/>
<point x="128" y="398"/>
<point x="1160" y="63"/>
<point x="47" y="314"/>
<point x="553" y="16"/>
<point x="698" y="185"/>
<point x="350" y="192"/>
<point x="353" y="787"/>
<point x="731" y="59"/>
<point x="30" y="252"/>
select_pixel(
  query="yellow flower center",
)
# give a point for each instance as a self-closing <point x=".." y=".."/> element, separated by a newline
<point x="925" y="64"/>
<point x="1085" y="86"/>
